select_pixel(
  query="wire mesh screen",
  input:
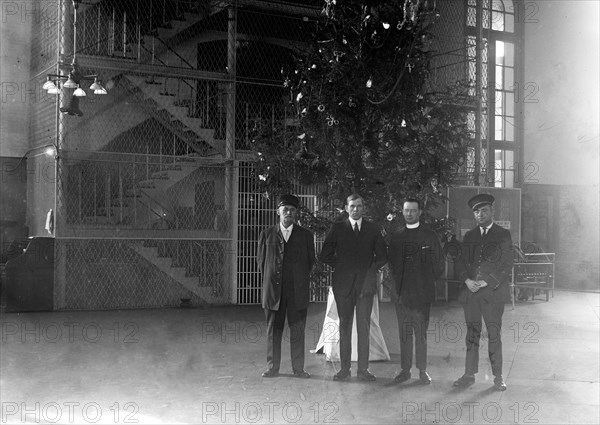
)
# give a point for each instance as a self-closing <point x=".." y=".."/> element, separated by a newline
<point x="143" y="273"/>
<point x="256" y="212"/>
<point x="115" y="195"/>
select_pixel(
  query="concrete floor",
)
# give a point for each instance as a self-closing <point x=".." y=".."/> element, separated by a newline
<point x="204" y="366"/>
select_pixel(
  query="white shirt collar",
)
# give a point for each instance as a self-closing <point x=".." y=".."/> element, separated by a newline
<point x="352" y="221"/>
<point x="487" y="227"/>
<point x="283" y="229"/>
<point x="412" y="226"/>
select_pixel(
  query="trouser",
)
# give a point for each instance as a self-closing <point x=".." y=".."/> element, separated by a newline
<point x="346" y="306"/>
<point x="275" y="324"/>
<point x="475" y="309"/>
<point x="413" y="323"/>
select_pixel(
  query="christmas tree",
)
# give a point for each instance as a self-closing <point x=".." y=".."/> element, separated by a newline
<point x="369" y="119"/>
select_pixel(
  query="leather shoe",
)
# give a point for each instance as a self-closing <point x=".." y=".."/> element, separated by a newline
<point x="499" y="384"/>
<point x="271" y="373"/>
<point x="342" y="375"/>
<point x="365" y="375"/>
<point x="464" y="381"/>
<point x="301" y="374"/>
<point x="403" y="376"/>
<point x="424" y="377"/>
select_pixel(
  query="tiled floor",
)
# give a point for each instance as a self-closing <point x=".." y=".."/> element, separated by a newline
<point x="204" y="366"/>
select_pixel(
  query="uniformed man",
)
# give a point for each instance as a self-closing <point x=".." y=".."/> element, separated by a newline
<point x="484" y="266"/>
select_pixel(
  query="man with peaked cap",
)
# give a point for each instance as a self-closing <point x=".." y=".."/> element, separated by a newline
<point x="286" y="254"/>
<point x="484" y="266"/>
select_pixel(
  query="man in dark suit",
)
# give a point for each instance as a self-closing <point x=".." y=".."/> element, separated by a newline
<point x="355" y="249"/>
<point x="484" y="265"/>
<point x="286" y="254"/>
<point x="417" y="260"/>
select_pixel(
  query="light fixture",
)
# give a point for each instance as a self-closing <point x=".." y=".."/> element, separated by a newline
<point x="48" y="84"/>
<point x="97" y="87"/>
<point x="71" y="83"/>
<point x="79" y="92"/>
<point x="74" y="78"/>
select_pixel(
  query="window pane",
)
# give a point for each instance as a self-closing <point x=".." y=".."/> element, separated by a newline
<point x="499" y="52"/>
<point x="509" y="54"/>
<point x="497" y="21"/>
<point x="509" y="175"/>
<point x="510" y="104"/>
<point x="499" y="80"/>
<point x="499" y="103"/>
<point x="509" y="82"/>
<point x="509" y="23"/>
<point x="499" y="130"/>
<point x="498" y="5"/>
<point x="509" y="123"/>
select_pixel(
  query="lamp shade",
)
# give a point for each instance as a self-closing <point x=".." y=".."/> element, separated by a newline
<point x="70" y="83"/>
<point x="79" y="92"/>
<point x="48" y="84"/>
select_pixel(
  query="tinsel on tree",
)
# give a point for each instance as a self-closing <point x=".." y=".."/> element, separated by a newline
<point x="369" y="122"/>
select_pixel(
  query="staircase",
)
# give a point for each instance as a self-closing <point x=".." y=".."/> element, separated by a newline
<point x="166" y="107"/>
<point x="206" y="283"/>
<point x="163" y="45"/>
<point x="144" y="203"/>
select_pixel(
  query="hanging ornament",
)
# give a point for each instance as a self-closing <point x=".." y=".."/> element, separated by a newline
<point x="331" y="121"/>
<point x="385" y="25"/>
<point x="369" y="83"/>
<point x="351" y="102"/>
<point x="321" y="108"/>
<point x="299" y="97"/>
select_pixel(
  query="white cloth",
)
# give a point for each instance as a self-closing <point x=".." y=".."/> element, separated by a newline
<point x="49" y="222"/>
<point x="329" y="341"/>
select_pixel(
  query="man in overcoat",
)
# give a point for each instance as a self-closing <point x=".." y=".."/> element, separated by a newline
<point x="286" y="255"/>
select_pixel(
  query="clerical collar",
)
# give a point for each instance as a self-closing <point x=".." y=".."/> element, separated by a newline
<point x="352" y="221"/>
<point x="412" y="226"/>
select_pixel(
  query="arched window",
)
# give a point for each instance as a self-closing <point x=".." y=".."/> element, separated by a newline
<point x="491" y="40"/>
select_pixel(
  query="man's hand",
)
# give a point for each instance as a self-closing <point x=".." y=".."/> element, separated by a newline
<point x="482" y="283"/>
<point x="472" y="285"/>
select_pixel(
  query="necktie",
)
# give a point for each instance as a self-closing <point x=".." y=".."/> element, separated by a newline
<point x="484" y="229"/>
<point x="286" y="234"/>
<point x="356" y="229"/>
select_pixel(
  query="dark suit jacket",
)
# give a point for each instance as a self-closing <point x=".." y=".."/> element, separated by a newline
<point x="417" y="260"/>
<point x="489" y="258"/>
<point x="300" y="246"/>
<point x="354" y="258"/>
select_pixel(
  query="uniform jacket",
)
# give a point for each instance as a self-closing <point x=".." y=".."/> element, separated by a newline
<point x="300" y="246"/>
<point x="354" y="259"/>
<point x="489" y="258"/>
<point x="417" y="260"/>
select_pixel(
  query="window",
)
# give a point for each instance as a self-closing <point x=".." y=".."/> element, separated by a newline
<point x="497" y="76"/>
